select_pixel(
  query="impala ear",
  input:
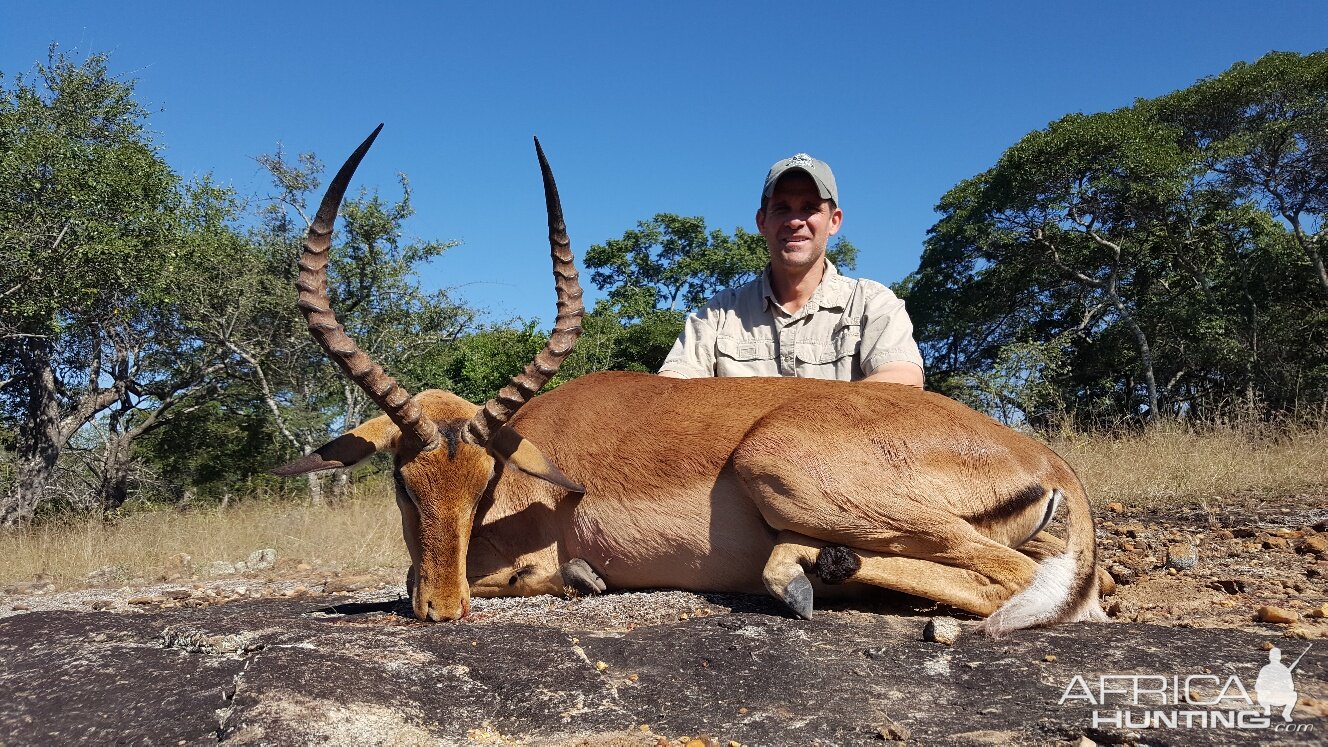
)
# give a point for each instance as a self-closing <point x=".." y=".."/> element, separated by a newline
<point x="344" y="451"/>
<point x="511" y="449"/>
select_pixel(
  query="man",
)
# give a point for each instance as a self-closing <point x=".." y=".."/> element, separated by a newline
<point x="800" y="317"/>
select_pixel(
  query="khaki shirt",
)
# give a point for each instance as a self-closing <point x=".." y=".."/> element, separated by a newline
<point x="845" y="331"/>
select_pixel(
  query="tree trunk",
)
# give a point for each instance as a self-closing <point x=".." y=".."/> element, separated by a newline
<point x="113" y="488"/>
<point x="1309" y="244"/>
<point x="1145" y="354"/>
<point x="39" y="435"/>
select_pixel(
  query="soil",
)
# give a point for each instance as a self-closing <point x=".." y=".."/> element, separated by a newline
<point x="295" y="654"/>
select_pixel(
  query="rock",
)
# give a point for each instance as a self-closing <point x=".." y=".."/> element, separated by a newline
<point x="1320" y="612"/>
<point x="1133" y="531"/>
<point x="942" y="630"/>
<point x="1276" y="615"/>
<point x="107" y="574"/>
<point x="1228" y="585"/>
<point x="261" y="560"/>
<point x="1225" y="534"/>
<point x="1123" y="574"/>
<point x="1276" y="543"/>
<point x="350" y="583"/>
<point x="1316" y="544"/>
<point x="1116" y="507"/>
<point x="1182" y="556"/>
<point x="142" y="600"/>
<point x="20" y="607"/>
<point x="894" y="731"/>
<point x="100" y="604"/>
<point x="177" y="593"/>
<point x="181" y="560"/>
<point x="221" y="568"/>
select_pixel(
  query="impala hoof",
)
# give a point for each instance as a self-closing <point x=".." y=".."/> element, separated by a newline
<point x="581" y="578"/>
<point x="798" y="596"/>
<point x="836" y="564"/>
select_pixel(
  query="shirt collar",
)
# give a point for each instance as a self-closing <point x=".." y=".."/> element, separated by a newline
<point x="830" y="294"/>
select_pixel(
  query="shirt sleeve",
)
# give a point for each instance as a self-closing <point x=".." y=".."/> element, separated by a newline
<point x="693" y="354"/>
<point x="887" y="332"/>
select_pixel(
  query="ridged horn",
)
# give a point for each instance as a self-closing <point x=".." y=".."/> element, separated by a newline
<point x="394" y="401"/>
<point x="566" y="328"/>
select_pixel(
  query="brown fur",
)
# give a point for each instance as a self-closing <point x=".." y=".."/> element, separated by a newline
<point x="732" y="485"/>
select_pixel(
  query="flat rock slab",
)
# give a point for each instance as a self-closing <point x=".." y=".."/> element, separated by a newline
<point x="540" y="671"/>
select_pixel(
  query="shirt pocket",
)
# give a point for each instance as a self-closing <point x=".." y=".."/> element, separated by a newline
<point x="744" y="357"/>
<point x="840" y="349"/>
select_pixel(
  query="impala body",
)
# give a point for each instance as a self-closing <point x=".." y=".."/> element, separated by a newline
<point x="630" y="481"/>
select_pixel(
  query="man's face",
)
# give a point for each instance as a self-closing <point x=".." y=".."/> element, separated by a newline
<point x="797" y="222"/>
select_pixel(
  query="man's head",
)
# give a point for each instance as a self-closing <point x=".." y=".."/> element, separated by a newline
<point x="799" y="212"/>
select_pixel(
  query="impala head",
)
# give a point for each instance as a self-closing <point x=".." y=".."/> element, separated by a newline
<point x="445" y="449"/>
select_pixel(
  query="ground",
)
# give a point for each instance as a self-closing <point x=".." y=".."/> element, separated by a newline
<point x="290" y="654"/>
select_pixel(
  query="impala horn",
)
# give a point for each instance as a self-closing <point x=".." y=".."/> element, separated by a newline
<point x="566" y="327"/>
<point x="394" y="401"/>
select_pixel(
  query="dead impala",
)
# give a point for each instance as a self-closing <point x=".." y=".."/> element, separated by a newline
<point x="633" y="481"/>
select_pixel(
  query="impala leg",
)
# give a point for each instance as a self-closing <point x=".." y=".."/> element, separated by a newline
<point x="958" y="587"/>
<point x="785" y="573"/>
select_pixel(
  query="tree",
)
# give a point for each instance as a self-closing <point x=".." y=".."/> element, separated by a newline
<point x="1263" y="130"/>
<point x="1133" y="263"/>
<point x="90" y="235"/>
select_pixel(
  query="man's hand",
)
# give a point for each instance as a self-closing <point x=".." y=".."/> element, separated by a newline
<point x="899" y="372"/>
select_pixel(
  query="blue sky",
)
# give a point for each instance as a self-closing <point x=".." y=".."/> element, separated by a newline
<point x="642" y="107"/>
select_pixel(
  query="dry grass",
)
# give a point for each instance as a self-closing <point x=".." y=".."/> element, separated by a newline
<point x="1171" y="463"/>
<point x="1167" y="464"/>
<point x="361" y="534"/>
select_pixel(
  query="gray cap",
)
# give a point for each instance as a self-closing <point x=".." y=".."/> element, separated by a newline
<point x="818" y="170"/>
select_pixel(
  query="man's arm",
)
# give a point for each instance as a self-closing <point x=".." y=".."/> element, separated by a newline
<point x="693" y="354"/>
<point x="888" y="350"/>
<point x="898" y="372"/>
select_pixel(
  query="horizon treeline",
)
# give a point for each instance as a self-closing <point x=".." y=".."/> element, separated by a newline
<point x="1161" y="261"/>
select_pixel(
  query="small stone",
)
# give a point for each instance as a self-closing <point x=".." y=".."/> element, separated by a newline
<point x="1116" y="507"/>
<point x="1133" y="531"/>
<point x="645" y="728"/>
<point x="142" y="600"/>
<point x="1276" y="543"/>
<point x="1182" y="556"/>
<point x="261" y="560"/>
<point x="1320" y="612"/>
<point x="633" y="677"/>
<point x="1276" y="615"/>
<point x="894" y="731"/>
<point x="303" y="567"/>
<point x="601" y="666"/>
<point x="177" y="593"/>
<point x="941" y="630"/>
<point x="1225" y="534"/>
<point x="1049" y="658"/>
<point x="1267" y="645"/>
<point x="100" y="604"/>
<point x="221" y="568"/>
<point x="1114" y="609"/>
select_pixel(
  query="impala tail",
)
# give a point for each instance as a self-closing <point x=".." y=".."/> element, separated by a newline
<point x="1065" y="588"/>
